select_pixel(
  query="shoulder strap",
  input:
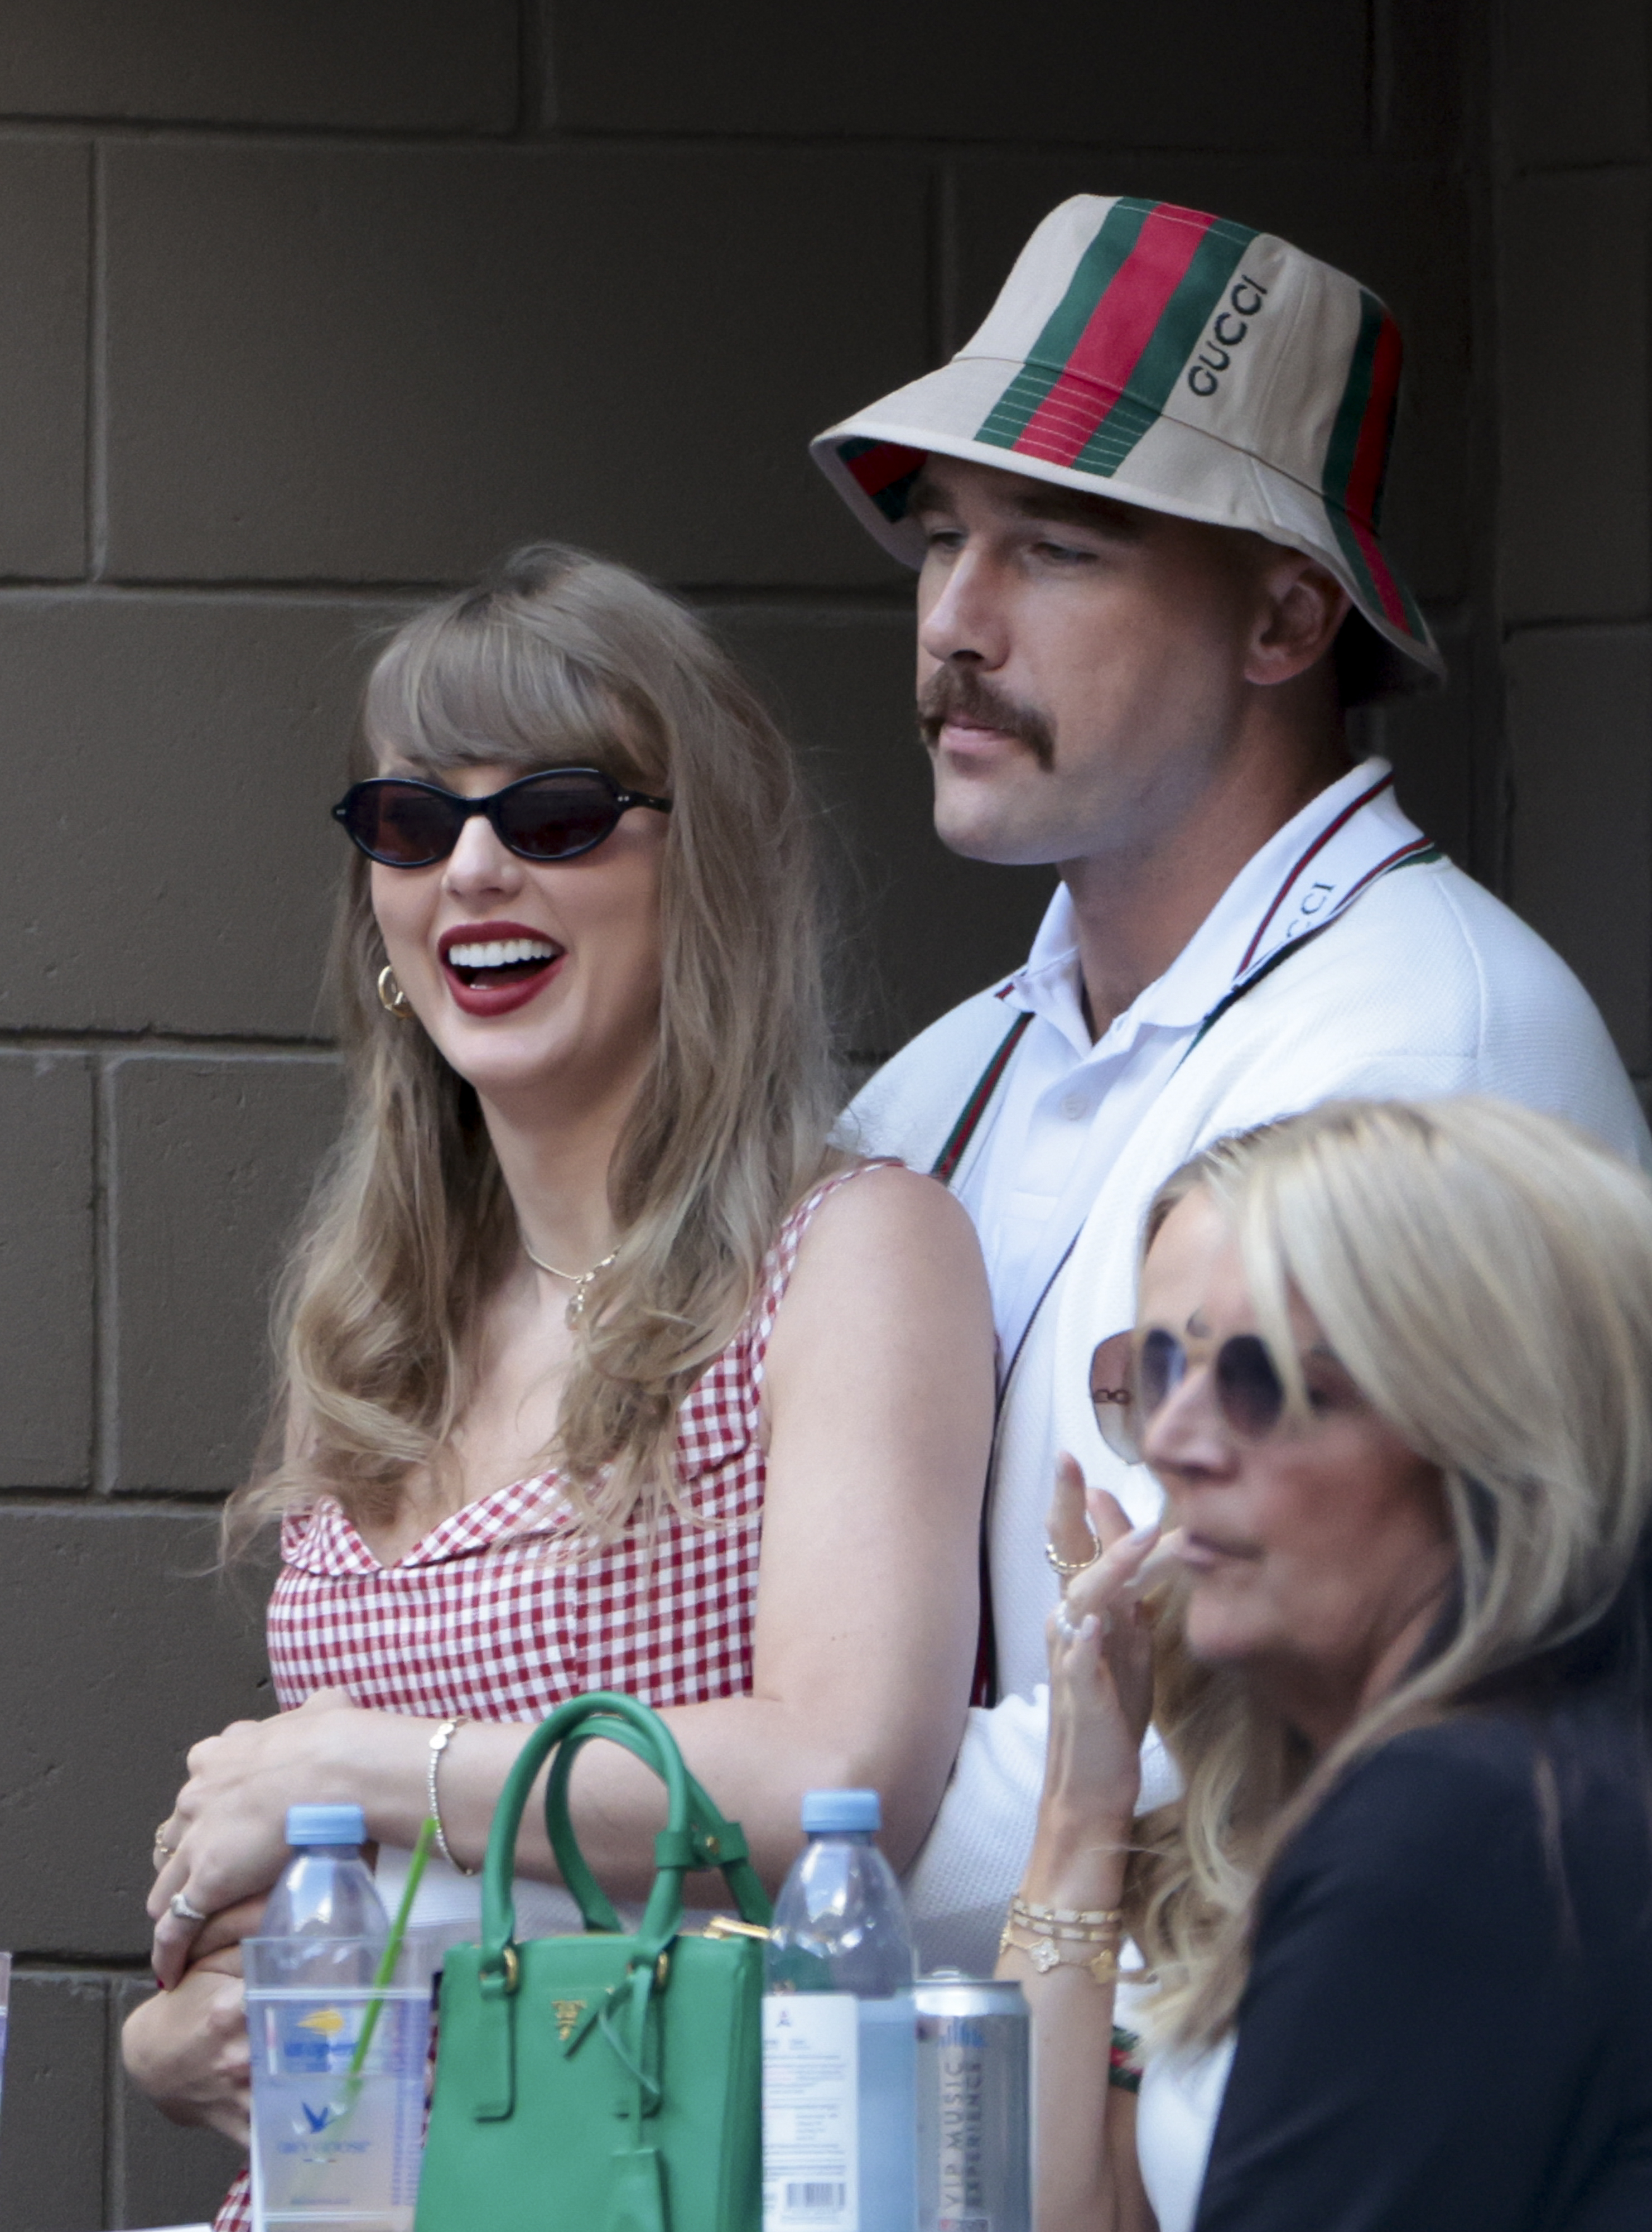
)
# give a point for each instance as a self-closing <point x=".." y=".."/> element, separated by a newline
<point x="946" y="1163"/>
<point x="1418" y="853"/>
<point x="984" y="1688"/>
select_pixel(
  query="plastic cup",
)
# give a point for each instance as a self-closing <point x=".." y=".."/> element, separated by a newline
<point x="338" y="2083"/>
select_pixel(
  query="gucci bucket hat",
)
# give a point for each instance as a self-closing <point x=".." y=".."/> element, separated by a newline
<point x="1179" y="361"/>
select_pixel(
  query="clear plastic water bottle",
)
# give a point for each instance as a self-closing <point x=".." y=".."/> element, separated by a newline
<point x="839" y="2037"/>
<point x="326" y="1892"/>
<point x="337" y="2060"/>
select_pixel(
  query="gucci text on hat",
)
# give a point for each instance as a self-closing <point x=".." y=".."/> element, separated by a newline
<point x="1176" y="361"/>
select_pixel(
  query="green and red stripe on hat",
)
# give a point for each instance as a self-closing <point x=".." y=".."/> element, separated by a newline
<point x="1187" y="363"/>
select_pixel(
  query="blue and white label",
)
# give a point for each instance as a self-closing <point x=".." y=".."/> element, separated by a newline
<point x="811" y="2123"/>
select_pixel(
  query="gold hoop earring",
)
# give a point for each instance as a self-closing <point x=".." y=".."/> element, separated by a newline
<point x="392" y="998"/>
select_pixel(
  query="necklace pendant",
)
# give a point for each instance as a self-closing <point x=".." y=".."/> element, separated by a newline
<point x="578" y="1280"/>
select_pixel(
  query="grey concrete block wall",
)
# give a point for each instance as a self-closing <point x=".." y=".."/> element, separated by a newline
<point x="45" y="310"/>
<point x="1183" y="75"/>
<point x="47" y="1267"/>
<point x="361" y="65"/>
<point x="917" y="921"/>
<point x="1578" y="90"/>
<point x="386" y="363"/>
<point x="1577" y="245"/>
<point x="1573" y="228"/>
<point x="1581" y="868"/>
<point x="53" y="2127"/>
<point x="308" y="309"/>
<point x="170" y="761"/>
<point x="210" y="1167"/>
<point x="115" y="1619"/>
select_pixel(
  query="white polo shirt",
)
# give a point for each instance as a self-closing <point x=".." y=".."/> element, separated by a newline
<point x="1070" y="1104"/>
<point x="1421" y="984"/>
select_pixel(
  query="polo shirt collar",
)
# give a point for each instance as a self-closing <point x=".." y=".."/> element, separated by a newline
<point x="1219" y="951"/>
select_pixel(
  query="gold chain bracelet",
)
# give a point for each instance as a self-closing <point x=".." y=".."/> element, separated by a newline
<point x="1045" y="1933"/>
<point x="1023" y="1910"/>
<point x="1047" y="1953"/>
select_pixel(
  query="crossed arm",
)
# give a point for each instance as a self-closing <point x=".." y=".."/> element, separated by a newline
<point x="878" y="1397"/>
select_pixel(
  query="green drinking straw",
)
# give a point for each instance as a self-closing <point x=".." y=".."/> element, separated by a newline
<point x="387" y="1967"/>
<point x="393" y="1942"/>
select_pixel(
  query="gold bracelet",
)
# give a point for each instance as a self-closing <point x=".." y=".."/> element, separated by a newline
<point x="1046" y="1953"/>
<point x="439" y="1743"/>
<point x="1058" y="1934"/>
<point x="1024" y="1910"/>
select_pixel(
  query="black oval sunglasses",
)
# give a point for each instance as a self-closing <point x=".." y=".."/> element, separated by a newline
<point x="1128" y="1384"/>
<point x="403" y="823"/>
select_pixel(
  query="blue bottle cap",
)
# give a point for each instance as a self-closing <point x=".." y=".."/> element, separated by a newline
<point x="326" y="1825"/>
<point x="826" y="1810"/>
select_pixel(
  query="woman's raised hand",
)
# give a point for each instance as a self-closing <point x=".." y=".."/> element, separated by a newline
<point x="1101" y="1690"/>
<point x="227" y="1832"/>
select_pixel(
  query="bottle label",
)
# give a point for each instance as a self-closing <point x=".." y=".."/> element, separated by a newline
<point x="811" y="2128"/>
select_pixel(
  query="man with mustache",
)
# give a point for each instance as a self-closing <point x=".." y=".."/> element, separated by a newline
<point x="1143" y="505"/>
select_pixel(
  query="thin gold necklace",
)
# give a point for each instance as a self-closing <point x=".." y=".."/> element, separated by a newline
<point x="578" y="1280"/>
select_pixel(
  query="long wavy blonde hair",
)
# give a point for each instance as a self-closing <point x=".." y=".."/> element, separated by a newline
<point x="563" y="658"/>
<point x="1485" y="1275"/>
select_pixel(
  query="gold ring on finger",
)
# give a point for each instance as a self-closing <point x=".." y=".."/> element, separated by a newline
<point x="1067" y="1567"/>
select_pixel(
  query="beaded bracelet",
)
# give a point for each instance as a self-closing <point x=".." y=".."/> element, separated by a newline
<point x="439" y="1743"/>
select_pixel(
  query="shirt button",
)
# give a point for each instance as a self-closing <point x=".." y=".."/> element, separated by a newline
<point x="1075" y="1107"/>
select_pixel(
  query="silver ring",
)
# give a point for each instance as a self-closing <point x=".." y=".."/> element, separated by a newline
<point x="180" y="1909"/>
<point x="1064" y="1626"/>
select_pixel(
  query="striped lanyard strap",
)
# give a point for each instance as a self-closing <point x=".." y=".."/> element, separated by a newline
<point x="1322" y="884"/>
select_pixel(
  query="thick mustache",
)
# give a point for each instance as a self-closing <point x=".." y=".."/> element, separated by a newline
<point x="956" y="693"/>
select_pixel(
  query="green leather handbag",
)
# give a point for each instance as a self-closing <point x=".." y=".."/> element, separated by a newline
<point x="609" y="2082"/>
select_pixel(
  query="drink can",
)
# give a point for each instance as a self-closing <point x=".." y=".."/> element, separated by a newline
<point x="974" y="2105"/>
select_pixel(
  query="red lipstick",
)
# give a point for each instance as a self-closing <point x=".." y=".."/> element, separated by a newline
<point x="493" y="968"/>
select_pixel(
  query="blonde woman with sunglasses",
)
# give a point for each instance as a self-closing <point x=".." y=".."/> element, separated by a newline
<point x="602" y="1368"/>
<point x="1389" y="1953"/>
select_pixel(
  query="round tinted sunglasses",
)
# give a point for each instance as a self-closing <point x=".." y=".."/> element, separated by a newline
<point x="405" y="823"/>
<point x="1131" y="1381"/>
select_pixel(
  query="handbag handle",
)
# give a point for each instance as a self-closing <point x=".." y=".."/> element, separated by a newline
<point x="713" y="1841"/>
<point x="676" y="1849"/>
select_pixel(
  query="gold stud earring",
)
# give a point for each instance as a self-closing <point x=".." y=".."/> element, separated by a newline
<point x="392" y="998"/>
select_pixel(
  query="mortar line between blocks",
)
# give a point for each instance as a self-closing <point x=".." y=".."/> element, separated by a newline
<point x="114" y="2102"/>
<point x="105" y="1309"/>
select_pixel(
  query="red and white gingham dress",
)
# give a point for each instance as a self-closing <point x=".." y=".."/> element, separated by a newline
<point x="484" y="1617"/>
